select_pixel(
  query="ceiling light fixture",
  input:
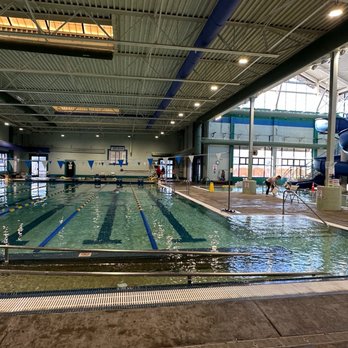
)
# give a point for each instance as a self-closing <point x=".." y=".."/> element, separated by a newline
<point x="62" y="135"/>
<point x="197" y="105"/>
<point x="97" y="135"/>
<point x="172" y="122"/>
<point x="336" y="12"/>
<point x="214" y="88"/>
<point x="217" y="118"/>
<point x="180" y="114"/>
<point x="21" y="129"/>
<point x="156" y="136"/>
<point x="6" y="124"/>
<point x="243" y="60"/>
<point x="162" y="133"/>
<point x="129" y="136"/>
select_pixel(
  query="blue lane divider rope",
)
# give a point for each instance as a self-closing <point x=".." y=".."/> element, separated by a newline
<point x="148" y="231"/>
<point x="55" y="232"/>
<point x="69" y="218"/>
<point x="146" y="223"/>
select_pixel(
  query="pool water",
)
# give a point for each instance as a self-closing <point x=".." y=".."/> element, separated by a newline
<point x="109" y="218"/>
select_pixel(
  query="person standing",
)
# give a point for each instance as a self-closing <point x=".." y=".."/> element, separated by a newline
<point x="158" y="171"/>
<point x="271" y="183"/>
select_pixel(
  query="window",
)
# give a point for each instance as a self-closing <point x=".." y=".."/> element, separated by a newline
<point x="116" y="153"/>
<point x="3" y="162"/>
<point x="38" y="166"/>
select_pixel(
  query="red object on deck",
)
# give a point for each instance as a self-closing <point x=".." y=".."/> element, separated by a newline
<point x="313" y="189"/>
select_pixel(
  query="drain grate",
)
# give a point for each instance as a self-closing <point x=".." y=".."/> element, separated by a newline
<point x="108" y="299"/>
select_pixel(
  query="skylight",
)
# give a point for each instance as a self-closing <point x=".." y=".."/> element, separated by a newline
<point x="14" y="24"/>
<point x="85" y="109"/>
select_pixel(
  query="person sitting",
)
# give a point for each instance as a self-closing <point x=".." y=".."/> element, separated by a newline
<point x="271" y="183"/>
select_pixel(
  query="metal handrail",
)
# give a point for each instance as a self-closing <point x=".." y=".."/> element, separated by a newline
<point x="288" y="192"/>
<point x="140" y="252"/>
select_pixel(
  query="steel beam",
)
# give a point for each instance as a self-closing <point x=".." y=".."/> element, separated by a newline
<point x="111" y="76"/>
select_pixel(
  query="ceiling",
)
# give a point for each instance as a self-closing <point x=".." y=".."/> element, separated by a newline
<point x="143" y="86"/>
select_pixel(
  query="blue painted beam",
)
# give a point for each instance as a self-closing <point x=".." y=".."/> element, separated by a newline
<point x="221" y="13"/>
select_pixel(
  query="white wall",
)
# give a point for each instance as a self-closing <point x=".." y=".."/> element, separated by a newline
<point x="84" y="147"/>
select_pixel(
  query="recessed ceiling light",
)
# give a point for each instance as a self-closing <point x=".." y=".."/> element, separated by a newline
<point x="156" y="136"/>
<point x="129" y="136"/>
<point x="6" y="124"/>
<point x="172" y="122"/>
<point x="197" y="105"/>
<point x="336" y="12"/>
<point x="180" y="114"/>
<point x="21" y="129"/>
<point x="214" y="88"/>
<point x="243" y="60"/>
<point x="217" y="118"/>
<point x="62" y="135"/>
<point x="97" y="135"/>
<point x="162" y="133"/>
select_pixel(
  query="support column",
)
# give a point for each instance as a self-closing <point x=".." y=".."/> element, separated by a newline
<point x="329" y="196"/>
<point x="196" y="165"/>
<point x="249" y="185"/>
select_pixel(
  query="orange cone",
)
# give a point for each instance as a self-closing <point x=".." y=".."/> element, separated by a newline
<point x="312" y="187"/>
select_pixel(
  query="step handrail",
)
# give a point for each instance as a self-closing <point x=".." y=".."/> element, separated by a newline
<point x="290" y="192"/>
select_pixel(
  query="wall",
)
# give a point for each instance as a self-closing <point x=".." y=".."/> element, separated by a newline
<point x="265" y="129"/>
<point x="84" y="147"/>
<point x="4" y="132"/>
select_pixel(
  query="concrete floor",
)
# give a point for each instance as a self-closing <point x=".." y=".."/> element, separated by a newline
<point x="303" y="321"/>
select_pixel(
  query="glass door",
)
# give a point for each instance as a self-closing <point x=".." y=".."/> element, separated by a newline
<point x="38" y="166"/>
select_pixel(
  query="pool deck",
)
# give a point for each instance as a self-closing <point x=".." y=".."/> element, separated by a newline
<point x="304" y="314"/>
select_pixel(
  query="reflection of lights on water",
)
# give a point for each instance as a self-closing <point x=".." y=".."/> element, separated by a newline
<point x="20" y="231"/>
<point x="6" y="234"/>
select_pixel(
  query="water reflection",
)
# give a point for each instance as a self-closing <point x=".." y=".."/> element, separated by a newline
<point x="38" y="190"/>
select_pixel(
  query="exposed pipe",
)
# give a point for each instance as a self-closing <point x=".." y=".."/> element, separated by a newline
<point x="221" y="13"/>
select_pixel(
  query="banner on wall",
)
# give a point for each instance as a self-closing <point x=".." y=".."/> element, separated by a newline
<point x="178" y="159"/>
<point x="150" y="160"/>
<point x="90" y="163"/>
<point x="61" y="163"/>
<point x="44" y="163"/>
<point x="165" y="160"/>
<point x="120" y="162"/>
<point x="218" y="156"/>
<point x="191" y="157"/>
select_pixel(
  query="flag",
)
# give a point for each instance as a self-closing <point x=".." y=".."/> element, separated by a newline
<point x="60" y="163"/>
<point x="178" y="159"/>
<point x="90" y="163"/>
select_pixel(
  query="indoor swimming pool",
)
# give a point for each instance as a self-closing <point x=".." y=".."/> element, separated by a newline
<point x="84" y="216"/>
